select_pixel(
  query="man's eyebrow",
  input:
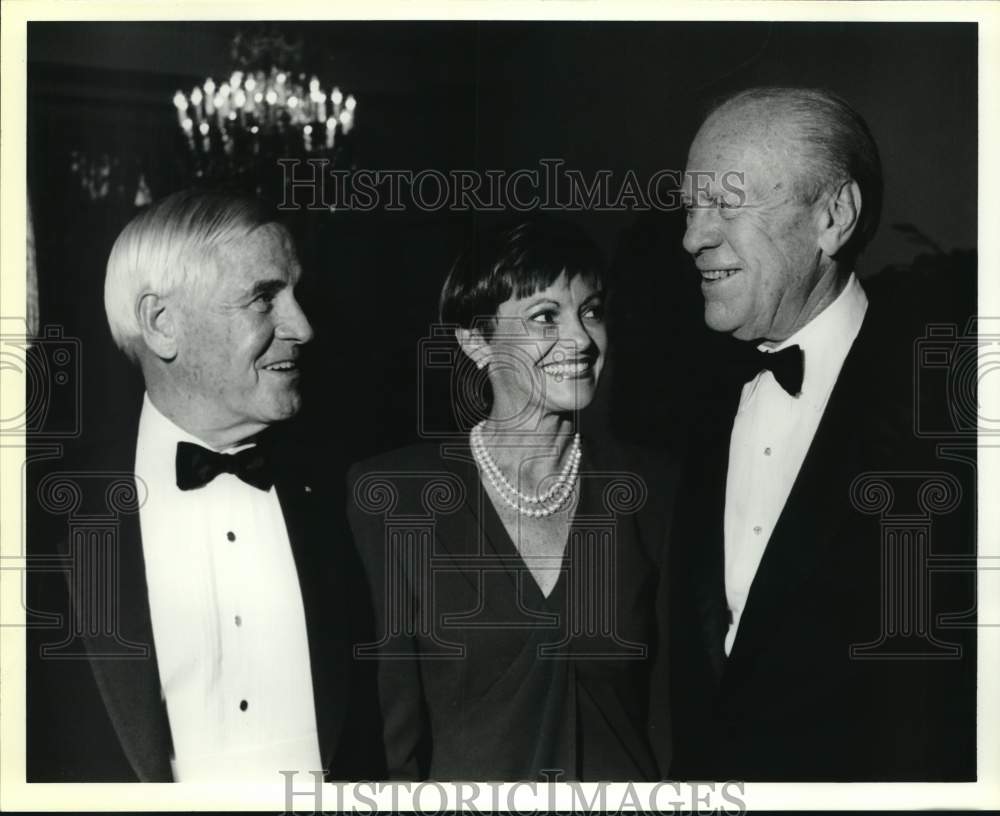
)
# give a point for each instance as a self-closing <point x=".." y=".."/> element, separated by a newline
<point x="268" y="287"/>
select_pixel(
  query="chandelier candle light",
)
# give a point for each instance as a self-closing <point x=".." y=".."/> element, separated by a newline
<point x="292" y="114"/>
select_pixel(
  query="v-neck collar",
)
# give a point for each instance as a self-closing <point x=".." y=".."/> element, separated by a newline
<point x="497" y="542"/>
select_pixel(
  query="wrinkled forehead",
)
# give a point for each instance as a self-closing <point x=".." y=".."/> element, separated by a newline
<point x="741" y="150"/>
<point x="266" y="252"/>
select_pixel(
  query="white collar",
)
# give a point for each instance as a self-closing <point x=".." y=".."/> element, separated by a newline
<point x="826" y="339"/>
<point x="156" y="443"/>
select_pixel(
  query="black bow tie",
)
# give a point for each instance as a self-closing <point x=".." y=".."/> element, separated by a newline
<point x="197" y="466"/>
<point x="786" y="366"/>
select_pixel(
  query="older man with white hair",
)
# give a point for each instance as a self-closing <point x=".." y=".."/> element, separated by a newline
<point x="233" y="581"/>
<point x="805" y="630"/>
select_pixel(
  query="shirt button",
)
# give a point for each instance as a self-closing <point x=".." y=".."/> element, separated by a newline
<point x="238" y="620"/>
<point x="243" y="705"/>
<point x="757" y="529"/>
<point x="767" y="451"/>
<point x="231" y="535"/>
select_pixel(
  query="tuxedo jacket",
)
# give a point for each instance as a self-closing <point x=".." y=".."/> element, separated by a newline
<point x="855" y="655"/>
<point x="94" y="705"/>
<point x="480" y="675"/>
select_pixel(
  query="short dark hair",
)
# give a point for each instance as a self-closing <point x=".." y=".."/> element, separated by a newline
<point x="837" y="145"/>
<point x="516" y="260"/>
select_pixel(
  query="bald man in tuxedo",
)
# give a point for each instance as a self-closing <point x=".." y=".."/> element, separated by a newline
<point x="794" y="655"/>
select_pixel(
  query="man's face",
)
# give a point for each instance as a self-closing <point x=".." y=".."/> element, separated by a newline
<point x="239" y="335"/>
<point x="758" y="257"/>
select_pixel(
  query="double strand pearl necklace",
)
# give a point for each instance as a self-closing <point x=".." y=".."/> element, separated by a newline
<point x="539" y="506"/>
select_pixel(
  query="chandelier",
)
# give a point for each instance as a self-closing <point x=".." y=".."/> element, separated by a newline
<point x="237" y="129"/>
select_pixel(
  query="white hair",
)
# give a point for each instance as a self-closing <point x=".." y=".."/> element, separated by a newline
<point x="170" y="246"/>
<point x="835" y="143"/>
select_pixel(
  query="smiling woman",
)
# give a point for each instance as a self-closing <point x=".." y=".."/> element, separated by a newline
<point x="528" y="302"/>
<point x="518" y="638"/>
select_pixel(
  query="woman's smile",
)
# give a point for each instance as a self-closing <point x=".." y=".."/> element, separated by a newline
<point x="570" y="370"/>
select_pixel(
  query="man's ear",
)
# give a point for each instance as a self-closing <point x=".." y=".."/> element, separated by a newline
<point x="474" y="346"/>
<point x="159" y="328"/>
<point x="840" y="217"/>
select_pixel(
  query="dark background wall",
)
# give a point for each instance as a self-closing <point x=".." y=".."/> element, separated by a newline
<point x="614" y="96"/>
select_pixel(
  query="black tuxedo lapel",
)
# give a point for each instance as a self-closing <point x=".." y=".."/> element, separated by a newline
<point x="129" y="680"/>
<point x="130" y="686"/>
<point x="809" y="520"/>
<point x="321" y="560"/>
<point x="703" y="506"/>
<point x="794" y="703"/>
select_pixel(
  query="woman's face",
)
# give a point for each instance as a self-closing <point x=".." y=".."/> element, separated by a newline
<point x="547" y="350"/>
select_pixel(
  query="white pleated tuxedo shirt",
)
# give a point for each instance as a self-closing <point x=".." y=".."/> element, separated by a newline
<point x="227" y="617"/>
<point x="772" y="433"/>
